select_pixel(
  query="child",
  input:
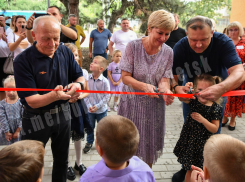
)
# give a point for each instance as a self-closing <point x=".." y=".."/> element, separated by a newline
<point x="117" y="140"/>
<point x="10" y="114"/>
<point x="114" y="75"/>
<point x="201" y="123"/>
<point x="79" y="122"/>
<point x="97" y="103"/>
<point x="22" y="161"/>
<point x="224" y="160"/>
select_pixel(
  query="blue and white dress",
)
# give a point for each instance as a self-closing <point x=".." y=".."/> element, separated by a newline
<point x="10" y="120"/>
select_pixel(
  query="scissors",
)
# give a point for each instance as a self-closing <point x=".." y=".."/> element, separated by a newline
<point x="156" y="91"/>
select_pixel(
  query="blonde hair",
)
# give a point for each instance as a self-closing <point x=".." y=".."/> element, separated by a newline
<point x="235" y="24"/>
<point x="161" y="19"/>
<point x="116" y="51"/>
<point x="224" y="158"/>
<point x="118" y="137"/>
<point x="102" y="61"/>
<point x="9" y="79"/>
<point x="71" y="46"/>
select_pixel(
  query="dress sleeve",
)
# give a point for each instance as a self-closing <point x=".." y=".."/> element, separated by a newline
<point x="168" y="73"/>
<point x="127" y="60"/>
<point x="3" y="119"/>
<point x="109" y="67"/>
<point x="216" y="112"/>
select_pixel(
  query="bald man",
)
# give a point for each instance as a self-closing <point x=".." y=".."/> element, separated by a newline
<point x="48" y="65"/>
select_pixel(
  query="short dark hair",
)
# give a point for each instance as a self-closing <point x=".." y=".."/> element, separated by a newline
<point x="124" y="19"/>
<point x="118" y="137"/>
<point x="72" y="15"/>
<point x="54" y="7"/>
<point x="22" y="161"/>
<point x="200" y="19"/>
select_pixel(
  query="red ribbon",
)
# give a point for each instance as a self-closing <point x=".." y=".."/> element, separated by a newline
<point x="230" y="93"/>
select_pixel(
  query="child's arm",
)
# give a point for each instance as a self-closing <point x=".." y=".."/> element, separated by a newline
<point x="119" y="81"/>
<point x="212" y="126"/>
<point x="3" y="121"/>
<point x="190" y="85"/>
<point x="110" y="77"/>
<point x="83" y="95"/>
<point x="105" y="97"/>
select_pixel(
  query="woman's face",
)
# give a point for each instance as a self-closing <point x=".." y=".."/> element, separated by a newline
<point x="233" y="32"/>
<point x="19" y="22"/>
<point x="158" y="35"/>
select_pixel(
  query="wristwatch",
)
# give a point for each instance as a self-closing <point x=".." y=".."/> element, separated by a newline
<point x="175" y="87"/>
<point x="82" y="86"/>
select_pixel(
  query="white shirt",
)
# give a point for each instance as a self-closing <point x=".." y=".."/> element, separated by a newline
<point x="9" y="30"/>
<point x="4" y="49"/>
<point x="85" y="74"/>
<point x="19" y="49"/>
<point x="121" y="39"/>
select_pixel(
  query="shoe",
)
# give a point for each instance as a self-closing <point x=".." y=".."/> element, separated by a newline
<point x="108" y="109"/>
<point x="81" y="168"/>
<point x="223" y="124"/>
<point x="231" y="128"/>
<point x="179" y="176"/>
<point x="71" y="174"/>
<point x="115" y="108"/>
<point x="87" y="148"/>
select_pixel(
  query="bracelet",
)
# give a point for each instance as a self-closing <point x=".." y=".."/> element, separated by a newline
<point x="28" y="28"/>
<point x="175" y="87"/>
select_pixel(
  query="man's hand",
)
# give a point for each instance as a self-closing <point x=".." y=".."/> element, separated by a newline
<point x="73" y="87"/>
<point x="16" y="134"/>
<point x="90" y="54"/>
<point x="30" y="21"/>
<point x="8" y="136"/>
<point x="198" y="117"/>
<point x="106" y="50"/>
<point x="60" y="94"/>
<point x="212" y="93"/>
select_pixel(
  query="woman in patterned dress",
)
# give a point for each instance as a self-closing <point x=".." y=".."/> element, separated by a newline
<point x="235" y="105"/>
<point x="147" y="65"/>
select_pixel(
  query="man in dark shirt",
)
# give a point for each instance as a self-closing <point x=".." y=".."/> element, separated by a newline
<point x="67" y="34"/>
<point x="177" y="34"/>
<point x="48" y="65"/>
<point x="205" y="51"/>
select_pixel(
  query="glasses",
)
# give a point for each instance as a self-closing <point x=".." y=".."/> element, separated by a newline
<point x="233" y="30"/>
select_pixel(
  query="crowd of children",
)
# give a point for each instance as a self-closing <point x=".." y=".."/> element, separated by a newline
<point x="118" y="146"/>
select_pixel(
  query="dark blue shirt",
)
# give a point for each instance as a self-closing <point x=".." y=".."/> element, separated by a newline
<point x="215" y="60"/>
<point x="100" y="40"/>
<point x="33" y="69"/>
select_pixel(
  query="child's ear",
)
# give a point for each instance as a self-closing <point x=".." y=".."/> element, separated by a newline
<point x="102" y="69"/>
<point x="206" y="173"/>
<point x="99" y="150"/>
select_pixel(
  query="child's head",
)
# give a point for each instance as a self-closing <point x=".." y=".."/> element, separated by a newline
<point x="224" y="159"/>
<point x="22" y="161"/>
<point x="74" y="50"/>
<point x="118" y="138"/>
<point x="99" y="64"/>
<point x="204" y="81"/>
<point x="9" y="82"/>
<point x="116" y="56"/>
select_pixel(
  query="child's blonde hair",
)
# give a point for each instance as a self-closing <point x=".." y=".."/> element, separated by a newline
<point x="71" y="46"/>
<point x="102" y="61"/>
<point x="116" y="51"/>
<point x="224" y="158"/>
<point x="211" y="79"/>
<point x="9" y="79"/>
<point x="118" y="137"/>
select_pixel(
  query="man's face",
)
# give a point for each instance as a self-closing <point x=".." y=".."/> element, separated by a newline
<point x="101" y="25"/>
<point x="199" y="39"/>
<point x="73" y="21"/>
<point x="2" y="20"/>
<point x="176" y="21"/>
<point x="55" y="12"/>
<point x="47" y="36"/>
<point x="125" y="25"/>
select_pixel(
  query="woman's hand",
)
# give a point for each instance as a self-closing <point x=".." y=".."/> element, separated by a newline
<point x="151" y="89"/>
<point x="168" y="98"/>
<point x="22" y="35"/>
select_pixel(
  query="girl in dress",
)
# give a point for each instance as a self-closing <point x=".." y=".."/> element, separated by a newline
<point x="201" y="123"/>
<point x="114" y="75"/>
<point x="10" y="114"/>
<point x="80" y="121"/>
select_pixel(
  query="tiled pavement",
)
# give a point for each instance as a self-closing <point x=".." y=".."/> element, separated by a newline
<point x="167" y="164"/>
